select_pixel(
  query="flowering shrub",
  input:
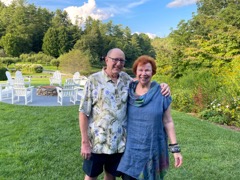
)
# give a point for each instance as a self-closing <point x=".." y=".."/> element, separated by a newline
<point x="224" y="111"/>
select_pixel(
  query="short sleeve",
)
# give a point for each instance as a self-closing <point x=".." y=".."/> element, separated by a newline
<point x="86" y="100"/>
<point x="166" y="102"/>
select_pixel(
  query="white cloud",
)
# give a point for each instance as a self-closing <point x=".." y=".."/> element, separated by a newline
<point x="150" y="35"/>
<point x="7" y="2"/>
<point x="79" y="14"/>
<point x="180" y="3"/>
<point x="138" y="3"/>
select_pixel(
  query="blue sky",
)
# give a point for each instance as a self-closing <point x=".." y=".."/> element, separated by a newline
<point x="153" y="17"/>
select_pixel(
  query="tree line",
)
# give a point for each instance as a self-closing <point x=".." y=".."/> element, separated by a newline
<point x="25" y="29"/>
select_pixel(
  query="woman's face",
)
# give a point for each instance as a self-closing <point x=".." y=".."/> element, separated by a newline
<point x="144" y="73"/>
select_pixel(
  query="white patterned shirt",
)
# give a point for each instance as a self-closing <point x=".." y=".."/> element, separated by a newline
<point x="105" y="104"/>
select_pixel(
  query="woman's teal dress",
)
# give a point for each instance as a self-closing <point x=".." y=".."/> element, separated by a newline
<point x="146" y="154"/>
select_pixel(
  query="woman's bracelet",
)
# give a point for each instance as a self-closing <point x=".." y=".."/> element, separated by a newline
<point x="174" y="148"/>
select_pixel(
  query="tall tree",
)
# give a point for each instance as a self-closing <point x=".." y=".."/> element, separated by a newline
<point x="91" y="40"/>
<point x="51" y="43"/>
<point x="15" y="44"/>
<point x="62" y="35"/>
<point x="146" y="46"/>
<point x="61" y="19"/>
<point x="27" y="21"/>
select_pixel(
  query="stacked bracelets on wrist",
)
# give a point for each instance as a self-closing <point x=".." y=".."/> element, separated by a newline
<point x="174" y="148"/>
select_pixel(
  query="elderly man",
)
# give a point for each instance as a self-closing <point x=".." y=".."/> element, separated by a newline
<point x="102" y="117"/>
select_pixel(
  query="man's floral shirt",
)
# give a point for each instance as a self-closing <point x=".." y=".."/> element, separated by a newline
<point x="105" y="104"/>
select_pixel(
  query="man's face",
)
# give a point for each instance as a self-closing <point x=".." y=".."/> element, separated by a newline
<point x="115" y="62"/>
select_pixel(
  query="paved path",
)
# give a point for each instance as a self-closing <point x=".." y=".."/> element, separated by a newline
<point x="42" y="101"/>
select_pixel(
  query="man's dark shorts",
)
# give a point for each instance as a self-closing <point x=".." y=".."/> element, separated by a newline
<point x="94" y="166"/>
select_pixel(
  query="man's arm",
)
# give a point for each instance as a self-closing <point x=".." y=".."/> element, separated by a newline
<point x="85" y="143"/>
<point x="165" y="89"/>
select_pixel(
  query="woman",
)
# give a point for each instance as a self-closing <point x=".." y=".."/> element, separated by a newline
<point x="149" y="126"/>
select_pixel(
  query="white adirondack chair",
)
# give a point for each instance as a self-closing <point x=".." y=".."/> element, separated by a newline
<point x="76" y="78"/>
<point x="27" y="80"/>
<point x="5" y="91"/>
<point x="9" y="77"/>
<point x="67" y="90"/>
<point x="19" y="90"/>
<point x="79" y="90"/>
<point x="56" y="78"/>
<point x="83" y="80"/>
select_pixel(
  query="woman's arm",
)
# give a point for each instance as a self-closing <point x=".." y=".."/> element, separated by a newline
<point x="169" y="126"/>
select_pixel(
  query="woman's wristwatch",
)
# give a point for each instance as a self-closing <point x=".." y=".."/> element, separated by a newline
<point x="174" y="148"/>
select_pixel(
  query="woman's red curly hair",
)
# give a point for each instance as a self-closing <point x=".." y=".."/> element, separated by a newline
<point x="142" y="60"/>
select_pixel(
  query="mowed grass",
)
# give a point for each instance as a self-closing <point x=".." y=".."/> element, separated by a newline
<point x="44" y="143"/>
<point x="39" y="142"/>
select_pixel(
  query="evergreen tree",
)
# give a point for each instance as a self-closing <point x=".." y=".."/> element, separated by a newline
<point x="51" y="43"/>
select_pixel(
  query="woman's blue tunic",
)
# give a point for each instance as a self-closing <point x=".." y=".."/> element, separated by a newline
<point x="146" y="154"/>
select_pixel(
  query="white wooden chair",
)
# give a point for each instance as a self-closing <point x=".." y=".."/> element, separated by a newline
<point x="67" y="90"/>
<point x="56" y="78"/>
<point x="5" y="91"/>
<point x="76" y="78"/>
<point x="27" y="80"/>
<point x="9" y="77"/>
<point x="79" y="90"/>
<point x="83" y="80"/>
<point x="19" y="90"/>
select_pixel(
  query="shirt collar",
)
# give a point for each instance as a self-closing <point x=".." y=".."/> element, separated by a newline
<point x="107" y="78"/>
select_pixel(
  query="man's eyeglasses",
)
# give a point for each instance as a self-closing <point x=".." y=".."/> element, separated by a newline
<point x="116" y="60"/>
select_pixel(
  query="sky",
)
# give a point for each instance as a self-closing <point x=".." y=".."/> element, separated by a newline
<point x="152" y="17"/>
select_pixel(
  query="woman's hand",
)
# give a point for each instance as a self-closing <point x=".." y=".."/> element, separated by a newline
<point x="178" y="159"/>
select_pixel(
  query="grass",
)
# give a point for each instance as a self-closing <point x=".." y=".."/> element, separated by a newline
<point x="209" y="151"/>
<point x="44" y="142"/>
<point x="39" y="143"/>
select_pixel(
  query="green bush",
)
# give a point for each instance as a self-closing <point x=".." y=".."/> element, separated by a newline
<point x="74" y="61"/>
<point x="37" y="58"/>
<point x="214" y="116"/>
<point x="26" y="68"/>
<point x="224" y="110"/>
<point x="55" y="62"/>
<point x="9" y="60"/>
<point x="3" y="76"/>
<point x="38" y="68"/>
<point x="182" y="100"/>
<point x="29" y="68"/>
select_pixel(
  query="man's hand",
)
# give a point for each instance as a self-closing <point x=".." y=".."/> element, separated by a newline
<point x="165" y="89"/>
<point x="86" y="150"/>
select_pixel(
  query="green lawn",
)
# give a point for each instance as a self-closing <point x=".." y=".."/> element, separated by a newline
<point x="44" y="142"/>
